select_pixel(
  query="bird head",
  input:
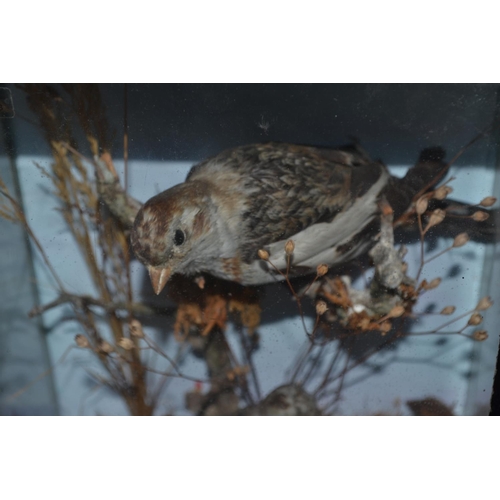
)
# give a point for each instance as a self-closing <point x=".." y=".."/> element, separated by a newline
<point x="167" y="230"/>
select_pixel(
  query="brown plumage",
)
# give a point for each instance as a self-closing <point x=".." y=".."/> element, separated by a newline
<point x="257" y="197"/>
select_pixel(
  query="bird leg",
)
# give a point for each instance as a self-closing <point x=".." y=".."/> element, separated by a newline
<point x="387" y="260"/>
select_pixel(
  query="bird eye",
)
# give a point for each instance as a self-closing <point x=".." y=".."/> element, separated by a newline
<point x="179" y="237"/>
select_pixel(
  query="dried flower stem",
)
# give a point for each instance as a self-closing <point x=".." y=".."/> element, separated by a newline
<point x="85" y="300"/>
<point x="453" y="160"/>
<point x="159" y="351"/>
<point x="295" y="296"/>
<point x="422" y="258"/>
<point x="447" y="323"/>
<point x="41" y="376"/>
<point x="300" y="361"/>
<point x="249" y="361"/>
<point x="308" y="287"/>
<point x="19" y="214"/>
<point x="167" y="377"/>
<point x="331" y="366"/>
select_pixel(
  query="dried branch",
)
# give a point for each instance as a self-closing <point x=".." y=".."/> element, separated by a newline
<point x="82" y="301"/>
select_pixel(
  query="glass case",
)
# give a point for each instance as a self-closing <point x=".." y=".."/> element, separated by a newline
<point x="83" y="332"/>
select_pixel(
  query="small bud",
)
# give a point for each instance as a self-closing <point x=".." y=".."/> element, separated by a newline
<point x="82" y="341"/>
<point x="436" y="218"/>
<point x="484" y="303"/>
<point x="475" y="319"/>
<point x="442" y="192"/>
<point x="263" y="254"/>
<point x="433" y="284"/>
<point x="106" y="347"/>
<point x="364" y="324"/>
<point x="480" y="335"/>
<point x="385" y="327"/>
<point x="421" y="205"/>
<point x="396" y="312"/>
<point x="200" y="281"/>
<point x="289" y="247"/>
<point x="488" y="201"/>
<point x="480" y="216"/>
<point x="321" y="307"/>
<point x="322" y="269"/>
<point x="126" y="343"/>
<point x="448" y="310"/>
<point x="460" y="240"/>
<point x="135" y="329"/>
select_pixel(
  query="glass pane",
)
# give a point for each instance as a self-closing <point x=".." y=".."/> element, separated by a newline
<point x="357" y="342"/>
<point x="23" y="349"/>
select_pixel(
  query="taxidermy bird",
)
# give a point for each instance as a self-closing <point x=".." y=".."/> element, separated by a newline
<point x="257" y="197"/>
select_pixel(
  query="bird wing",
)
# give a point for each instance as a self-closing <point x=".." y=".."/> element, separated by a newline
<point x="319" y="196"/>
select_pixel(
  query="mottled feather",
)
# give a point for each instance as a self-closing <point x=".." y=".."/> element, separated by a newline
<point x="259" y="196"/>
<point x="289" y="188"/>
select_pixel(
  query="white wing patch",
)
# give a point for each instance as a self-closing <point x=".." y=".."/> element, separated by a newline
<point x="318" y="243"/>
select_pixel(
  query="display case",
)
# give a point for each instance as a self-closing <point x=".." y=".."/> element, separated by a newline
<point x="82" y="331"/>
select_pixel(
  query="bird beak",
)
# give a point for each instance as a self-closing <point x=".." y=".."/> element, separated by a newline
<point x="159" y="277"/>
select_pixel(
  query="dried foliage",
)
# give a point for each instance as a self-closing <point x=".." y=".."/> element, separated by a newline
<point x="107" y="260"/>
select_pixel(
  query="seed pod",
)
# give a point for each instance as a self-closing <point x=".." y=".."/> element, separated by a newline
<point x="442" y="192"/>
<point x="475" y="319"/>
<point x="460" y="240"/>
<point x="263" y="254"/>
<point x="436" y="218"/>
<point x="385" y="327"/>
<point x="484" y="303"/>
<point x="126" y="343"/>
<point x="448" y="310"/>
<point x="135" y="329"/>
<point x="396" y="312"/>
<point x="433" y="284"/>
<point x="106" y="347"/>
<point x="321" y="270"/>
<point x="321" y="307"/>
<point x="289" y="247"/>
<point x="488" y="201"/>
<point x="421" y="205"/>
<point x="480" y="216"/>
<point x="82" y="341"/>
<point x="480" y="335"/>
